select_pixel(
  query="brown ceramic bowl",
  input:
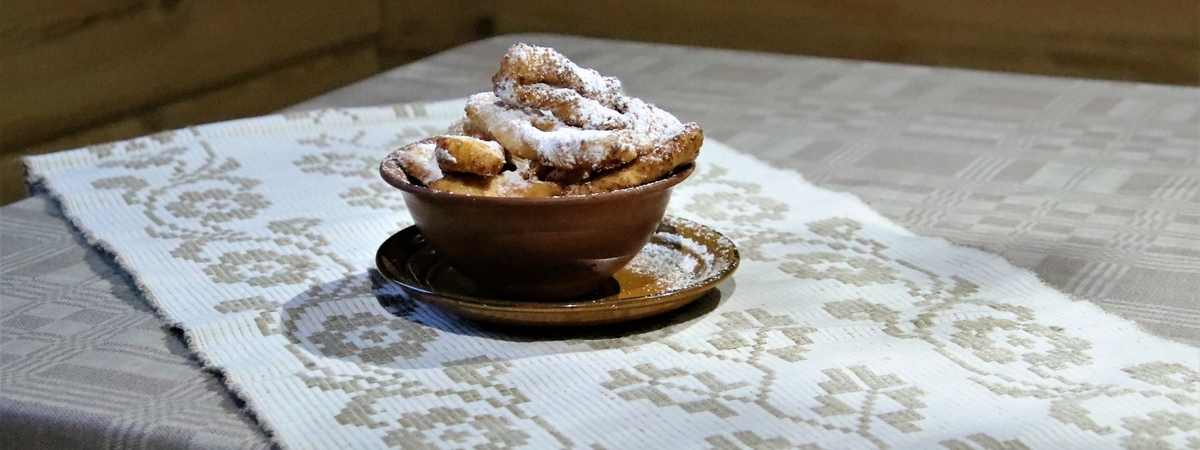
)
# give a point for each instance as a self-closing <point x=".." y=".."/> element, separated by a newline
<point x="538" y="248"/>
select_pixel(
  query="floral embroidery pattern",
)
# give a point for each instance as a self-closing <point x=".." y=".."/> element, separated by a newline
<point x="473" y="385"/>
<point x="802" y="349"/>
<point x="360" y="158"/>
<point x="199" y="198"/>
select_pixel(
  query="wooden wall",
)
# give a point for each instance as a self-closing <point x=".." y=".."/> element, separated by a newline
<point x="75" y="72"/>
<point x="1147" y="40"/>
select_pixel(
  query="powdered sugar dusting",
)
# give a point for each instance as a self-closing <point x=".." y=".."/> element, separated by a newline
<point x="673" y="261"/>
<point x="651" y="120"/>
<point x="577" y="124"/>
<point x="419" y="161"/>
<point x="563" y="71"/>
<point x="511" y="184"/>
<point x="563" y="146"/>
<point x="572" y="147"/>
<point x="442" y="155"/>
<point x="594" y="85"/>
<point x="605" y="124"/>
<point x="505" y="90"/>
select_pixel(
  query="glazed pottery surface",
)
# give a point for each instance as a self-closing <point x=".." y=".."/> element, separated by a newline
<point x="542" y="248"/>
<point x="407" y="259"/>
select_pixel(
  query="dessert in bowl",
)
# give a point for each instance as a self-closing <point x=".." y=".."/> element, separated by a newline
<point x="548" y="185"/>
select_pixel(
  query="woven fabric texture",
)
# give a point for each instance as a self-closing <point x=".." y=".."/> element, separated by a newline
<point x="1093" y="185"/>
<point x="257" y="237"/>
<point x="84" y="361"/>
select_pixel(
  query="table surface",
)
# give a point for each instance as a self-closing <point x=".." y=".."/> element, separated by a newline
<point x="1094" y="186"/>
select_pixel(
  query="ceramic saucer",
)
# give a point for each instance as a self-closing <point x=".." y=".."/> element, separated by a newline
<point x="683" y="260"/>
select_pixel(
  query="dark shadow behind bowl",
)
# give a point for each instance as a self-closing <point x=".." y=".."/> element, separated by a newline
<point x="537" y="248"/>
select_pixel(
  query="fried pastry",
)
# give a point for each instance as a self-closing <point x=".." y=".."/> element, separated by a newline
<point x="681" y="149"/>
<point x="562" y="147"/>
<point x="418" y="161"/>
<point x="549" y="128"/>
<point x="507" y="184"/>
<point x="466" y="154"/>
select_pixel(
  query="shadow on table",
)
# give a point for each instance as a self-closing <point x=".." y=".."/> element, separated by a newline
<point x="364" y="318"/>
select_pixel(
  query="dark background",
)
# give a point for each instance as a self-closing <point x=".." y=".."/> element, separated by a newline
<point x="77" y="72"/>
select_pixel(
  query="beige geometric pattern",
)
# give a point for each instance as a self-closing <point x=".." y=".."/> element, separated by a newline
<point x="840" y="329"/>
<point x="84" y="361"/>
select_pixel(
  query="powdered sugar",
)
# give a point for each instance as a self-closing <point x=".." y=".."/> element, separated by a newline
<point x="594" y="85"/>
<point x="673" y="261"/>
<point x="419" y="161"/>
<point x="576" y="123"/>
<point x="571" y="107"/>
<point x="602" y="121"/>
<point x="511" y="184"/>
<point x="442" y="155"/>
<point x="568" y="147"/>
<point x="505" y="89"/>
<point x="562" y="147"/>
<point x="650" y="120"/>
<point x="556" y="70"/>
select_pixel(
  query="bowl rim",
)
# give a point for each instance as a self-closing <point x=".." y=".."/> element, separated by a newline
<point x="389" y="168"/>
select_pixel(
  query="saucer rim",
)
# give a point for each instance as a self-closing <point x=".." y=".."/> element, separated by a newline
<point x="682" y="295"/>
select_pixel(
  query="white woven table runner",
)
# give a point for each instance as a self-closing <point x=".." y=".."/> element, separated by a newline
<point x="840" y="330"/>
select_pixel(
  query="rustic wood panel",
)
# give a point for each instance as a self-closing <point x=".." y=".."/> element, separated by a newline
<point x="272" y="91"/>
<point x="75" y="72"/>
<point x="27" y="22"/>
<point x="1152" y="40"/>
<point x="260" y="95"/>
<point x="12" y="172"/>
<point x="115" y="65"/>
<point x="412" y="29"/>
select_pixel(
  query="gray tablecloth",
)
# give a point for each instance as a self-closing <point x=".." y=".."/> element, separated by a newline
<point x="1095" y="186"/>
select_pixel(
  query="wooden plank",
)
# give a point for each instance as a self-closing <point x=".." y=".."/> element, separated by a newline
<point x="12" y="183"/>
<point x="26" y="22"/>
<point x="260" y="95"/>
<point x="1155" y="20"/>
<point x="115" y="66"/>
<point x="12" y="172"/>
<point x="411" y="29"/>
<point x="273" y="91"/>
<point x="126" y="128"/>
<point x="1154" y="40"/>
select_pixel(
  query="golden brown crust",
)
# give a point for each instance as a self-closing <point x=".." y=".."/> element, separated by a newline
<point x="558" y="128"/>
<point x="508" y="184"/>
<point x="418" y="161"/>
<point x="570" y="107"/>
<point x="681" y="149"/>
<point x="525" y="64"/>
<point x="483" y="113"/>
<point x="466" y="154"/>
<point x="562" y="147"/>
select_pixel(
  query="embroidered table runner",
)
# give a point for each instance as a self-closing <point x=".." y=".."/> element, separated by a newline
<point x="840" y="330"/>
